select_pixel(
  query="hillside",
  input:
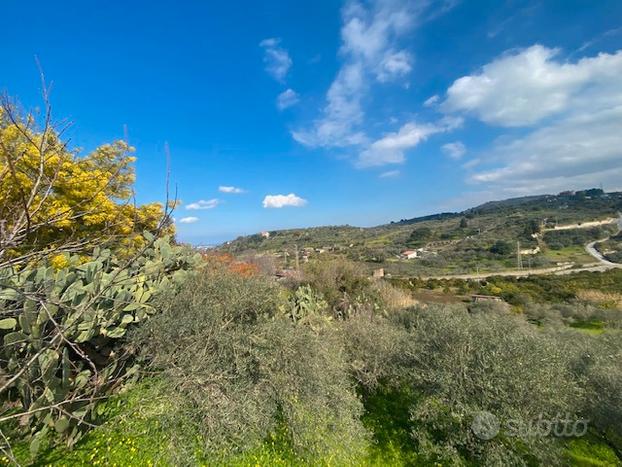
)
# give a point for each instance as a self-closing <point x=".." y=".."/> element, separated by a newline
<point x="483" y="238"/>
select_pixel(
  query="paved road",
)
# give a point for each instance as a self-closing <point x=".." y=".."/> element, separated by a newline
<point x="602" y="265"/>
<point x="591" y="249"/>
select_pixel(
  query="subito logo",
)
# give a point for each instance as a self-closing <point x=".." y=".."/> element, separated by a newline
<point x="485" y="425"/>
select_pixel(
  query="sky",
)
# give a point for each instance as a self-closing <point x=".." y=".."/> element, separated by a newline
<point x="282" y="114"/>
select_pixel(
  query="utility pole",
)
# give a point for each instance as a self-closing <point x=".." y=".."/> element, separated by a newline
<point x="297" y="260"/>
<point x="519" y="260"/>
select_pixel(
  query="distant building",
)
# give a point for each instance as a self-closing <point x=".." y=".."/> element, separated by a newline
<point x="410" y="254"/>
<point x="378" y="273"/>
<point x="418" y="253"/>
<point x="265" y="234"/>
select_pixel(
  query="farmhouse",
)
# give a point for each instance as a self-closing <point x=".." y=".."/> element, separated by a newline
<point x="409" y="254"/>
<point x="418" y="253"/>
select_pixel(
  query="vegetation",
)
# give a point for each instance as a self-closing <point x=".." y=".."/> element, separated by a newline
<point x="74" y="275"/>
<point x="558" y="239"/>
<point x="53" y="201"/>
<point x="152" y="354"/>
<point x="484" y="238"/>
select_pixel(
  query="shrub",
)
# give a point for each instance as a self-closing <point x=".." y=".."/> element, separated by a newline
<point x="376" y="352"/>
<point x="598" y="366"/>
<point x="502" y="248"/>
<point x="466" y="363"/>
<point x="239" y="371"/>
<point x="343" y="285"/>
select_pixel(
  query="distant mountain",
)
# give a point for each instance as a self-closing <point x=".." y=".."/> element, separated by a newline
<point x="593" y="198"/>
<point x="456" y="241"/>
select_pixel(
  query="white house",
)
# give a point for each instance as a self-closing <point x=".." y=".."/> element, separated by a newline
<point x="410" y="254"/>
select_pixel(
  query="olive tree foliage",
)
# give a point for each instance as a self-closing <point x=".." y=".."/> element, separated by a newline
<point x="465" y="363"/>
<point x="239" y="369"/>
<point x="598" y="367"/>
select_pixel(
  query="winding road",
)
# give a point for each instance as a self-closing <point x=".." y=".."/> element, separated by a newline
<point x="602" y="265"/>
<point x="591" y="249"/>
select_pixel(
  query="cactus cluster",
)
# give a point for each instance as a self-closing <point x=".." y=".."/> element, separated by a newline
<point x="306" y="306"/>
<point x="60" y="332"/>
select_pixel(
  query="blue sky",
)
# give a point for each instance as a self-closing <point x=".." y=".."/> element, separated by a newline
<point x="332" y="112"/>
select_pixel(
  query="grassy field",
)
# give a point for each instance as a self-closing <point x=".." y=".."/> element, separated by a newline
<point x="571" y="254"/>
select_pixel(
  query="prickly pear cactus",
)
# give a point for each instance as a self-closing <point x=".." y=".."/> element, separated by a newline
<point x="60" y="332"/>
<point x="306" y="306"/>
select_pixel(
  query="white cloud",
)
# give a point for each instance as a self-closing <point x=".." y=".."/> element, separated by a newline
<point x="280" y="201"/>
<point x="454" y="150"/>
<point x="188" y="220"/>
<point x="286" y="99"/>
<point x="342" y="113"/>
<point x="276" y="58"/>
<point x="369" y="47"/>
<point x="231" y="190"/>
<point x="389" y="174"/>
<point x="576" y="109"/>
<point x="524" y="88"/>
<point x="394" y="65"/>
<point x="391" y="148"/>
<point x="586" y="147"/>
<point x="203" y="204"/>
<point x="431" y="101"/>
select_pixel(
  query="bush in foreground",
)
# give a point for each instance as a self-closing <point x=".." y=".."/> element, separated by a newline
<point x="240" y="372"/>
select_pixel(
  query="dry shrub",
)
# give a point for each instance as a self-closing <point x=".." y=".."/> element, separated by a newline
<point x="392" y="297"/>
<point x="602" y="298"/>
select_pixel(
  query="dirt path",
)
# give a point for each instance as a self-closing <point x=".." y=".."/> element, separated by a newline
<point x="507" y="272"/>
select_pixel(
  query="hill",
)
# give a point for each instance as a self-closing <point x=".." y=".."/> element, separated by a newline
<point x="483" y="238"/>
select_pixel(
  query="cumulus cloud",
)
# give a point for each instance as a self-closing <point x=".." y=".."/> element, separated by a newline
<point x="523" y="88"/>
<point x="280" y="201"/>
<point x="231" y="189"/>
<point x="188" y="220"/>
<point x="454" y="150"/>
<point x="286" y="99"/>
<point x="391" y="148"/>
<point x="370" y="50"/>
<point x="276" y="59"/>
<point x="576" y="109"/>
<point x="203" y="204"/>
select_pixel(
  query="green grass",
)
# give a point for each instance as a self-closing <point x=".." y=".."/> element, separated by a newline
<point x="575" y="254"/>
<point x="135" y="433"/>
<point x="590" y="452"/>
<point x="589" y="327"/>
<point x="130" y="435"/>
<point x="387" y="417"/>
